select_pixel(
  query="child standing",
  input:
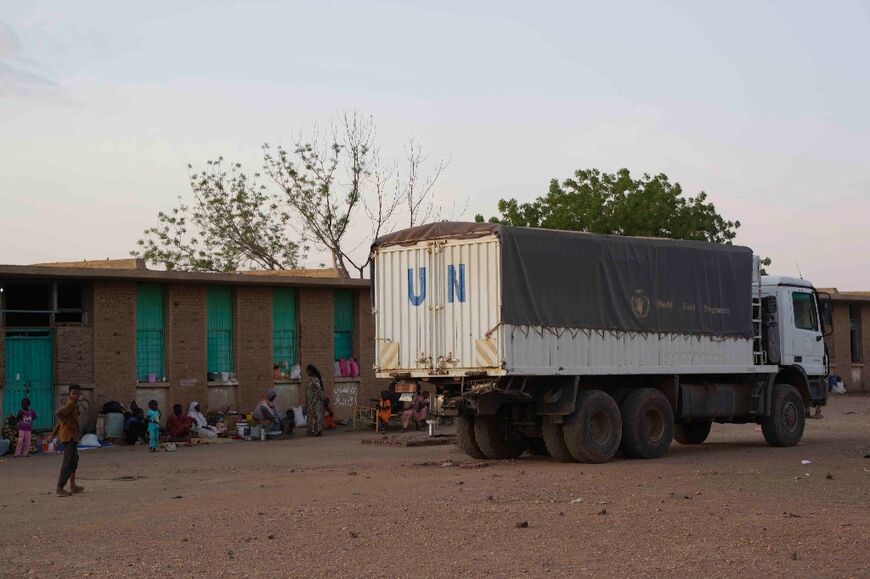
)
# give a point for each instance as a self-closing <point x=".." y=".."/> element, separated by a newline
<point x="26" y="416"/>
<point x="152" y="417"/>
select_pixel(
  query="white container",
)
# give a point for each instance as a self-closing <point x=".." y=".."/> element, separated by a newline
<point x="242" y="429"/>
<point x="446" y="323"/>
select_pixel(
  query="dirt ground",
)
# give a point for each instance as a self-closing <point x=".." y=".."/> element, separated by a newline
<point x="334" y="506"/>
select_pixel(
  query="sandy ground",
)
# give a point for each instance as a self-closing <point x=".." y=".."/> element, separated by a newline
<point x="333" y="506"/>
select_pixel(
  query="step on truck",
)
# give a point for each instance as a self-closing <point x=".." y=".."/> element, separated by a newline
<point x="578" y="345"/>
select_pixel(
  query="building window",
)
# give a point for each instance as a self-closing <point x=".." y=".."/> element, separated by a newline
<point x="284" y="328"/>
<point x="220" y="329"/>
<point x="855" y="337"/>
<point x="149" y="333"/>
<point x="42" y="304"/>
<point x="343" y="323"/>
<point x="804" y="311"/>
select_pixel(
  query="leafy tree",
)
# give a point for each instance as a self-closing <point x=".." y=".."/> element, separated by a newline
<point x="233" y="223"/>
<point x="599" y="202"/>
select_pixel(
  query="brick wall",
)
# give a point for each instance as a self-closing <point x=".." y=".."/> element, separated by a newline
<point x="315" y="335"/>
<point x="253" y="339"/>
<point x="114" y="341"/>
<point x="186" y="344"/>
<point x="840" y="348"/>
<point x="364" y="346"/>
<point x="74" y="355"/>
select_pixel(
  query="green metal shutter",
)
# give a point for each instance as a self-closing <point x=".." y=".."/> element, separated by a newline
<point x="149" y="331"/>
<point x="220" y="329"/>
<point x="29" y="374"/>
<point x="343" y="323"/>
<point x="284" y="327"/>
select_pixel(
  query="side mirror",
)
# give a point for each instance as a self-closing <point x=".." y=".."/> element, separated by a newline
<point x="826" y="312"/>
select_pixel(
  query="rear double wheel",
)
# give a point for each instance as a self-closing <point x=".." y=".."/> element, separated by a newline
<point x="465" y="438"/>
<point x="554" y="439"/>
<point x="493" y="436"/>
<point x="647" y="424"/>
<point x="593" y="432"/>
<point x="692" y="432"/>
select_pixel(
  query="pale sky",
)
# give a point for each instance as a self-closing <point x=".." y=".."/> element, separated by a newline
<point x="764" y="105"/>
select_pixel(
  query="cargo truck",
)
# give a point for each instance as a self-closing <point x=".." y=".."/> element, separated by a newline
<point x="578" y="345"/>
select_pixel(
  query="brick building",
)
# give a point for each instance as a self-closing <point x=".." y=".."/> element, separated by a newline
<point x="847" y="349"/>
<point x="126" y="333"/>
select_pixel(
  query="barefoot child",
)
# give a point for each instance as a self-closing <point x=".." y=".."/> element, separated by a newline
<point x="67" y="430"/>
<point x="26" y="416"/>
<point x="152" y="417"/>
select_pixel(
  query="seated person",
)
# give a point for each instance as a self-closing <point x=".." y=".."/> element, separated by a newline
<point x="419" y="410"/>
<point x="276" y="372"/>
<point x="179" y="426"/>
<point x="134" y="424"/>
<point x="266" y="412"/>
<point x="384" y="412"/>
<point x="328" y="414"/>
<point x="201" y="426"/>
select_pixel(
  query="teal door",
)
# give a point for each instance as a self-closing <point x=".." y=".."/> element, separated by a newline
<point x="28" y="374"/>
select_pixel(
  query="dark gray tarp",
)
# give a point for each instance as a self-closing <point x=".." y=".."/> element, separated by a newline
<point x="608" y="282"/>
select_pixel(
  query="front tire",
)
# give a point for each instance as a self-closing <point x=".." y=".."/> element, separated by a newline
<point x="491" y="434"/>
<point x="594" y="430"/>
<point x="785" y="425"/>
<point x="647" y="424"/>
<point x="465" y="436"/>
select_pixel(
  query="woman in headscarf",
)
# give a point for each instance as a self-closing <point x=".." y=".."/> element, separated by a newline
<point x="203" y="429"/>
<point x="314" y="401"/>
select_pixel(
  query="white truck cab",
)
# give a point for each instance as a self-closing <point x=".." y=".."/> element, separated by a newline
<point x="799" y="322"/>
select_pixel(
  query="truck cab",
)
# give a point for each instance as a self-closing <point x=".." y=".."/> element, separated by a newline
<point x="794" y="327"/>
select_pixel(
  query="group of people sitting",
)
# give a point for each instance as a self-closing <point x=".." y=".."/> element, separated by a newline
<point x="391" y="403"/>
<point x="179" y="426"/>
<point x="316" y="415"/>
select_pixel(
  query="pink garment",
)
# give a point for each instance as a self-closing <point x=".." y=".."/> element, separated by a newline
<point x="23" y="447"/>
<point x="418" y="411"/>
<point x="354" y="368"/>
<point x="344" y="367"/>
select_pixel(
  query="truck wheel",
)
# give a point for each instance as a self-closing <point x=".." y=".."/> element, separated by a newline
<point x="592" y="433"/>
<point x="490" y="432"/>
<point x="785" y="425"/>
<point x="647" y="424"/>
<point x="554" y="438"/>
<point x="537" y="447"/>
<point x="692" y="432"/>
<point x="465" y="436"/>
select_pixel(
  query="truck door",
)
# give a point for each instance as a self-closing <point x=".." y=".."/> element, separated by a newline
<point x="804" y="347"/>
<point x="403" y="302"/>
<point x="466" y="305"/>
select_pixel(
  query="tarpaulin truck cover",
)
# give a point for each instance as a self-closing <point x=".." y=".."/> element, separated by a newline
<point x="607" y="282"/>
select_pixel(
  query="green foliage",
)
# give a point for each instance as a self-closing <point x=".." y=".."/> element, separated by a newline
<point x="598" y="202"/>
<point x="233" y="223"/>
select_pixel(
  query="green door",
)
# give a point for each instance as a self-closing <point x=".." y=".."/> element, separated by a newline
<point x="28" y="374"/>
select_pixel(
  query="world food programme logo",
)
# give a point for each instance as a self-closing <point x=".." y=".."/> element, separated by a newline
<point x="640" y="304"/>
